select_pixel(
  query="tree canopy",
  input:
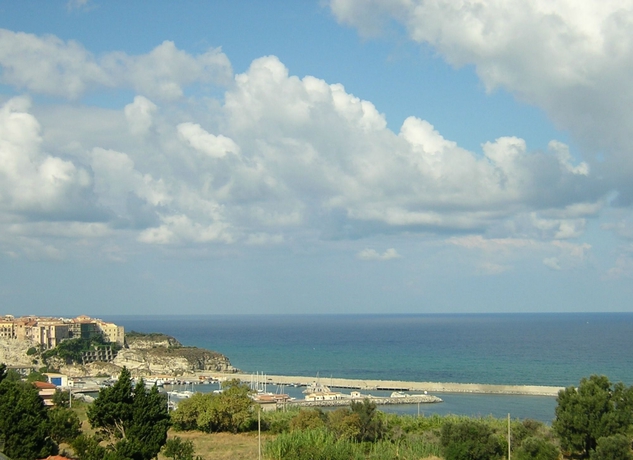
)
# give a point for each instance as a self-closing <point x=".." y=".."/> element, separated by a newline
<point x="24" y="421"/>
<point x="596" y="409"/>
<point x="470" y="440"/>
<point x="231" y="410"/>
<point x="134" y="420"/>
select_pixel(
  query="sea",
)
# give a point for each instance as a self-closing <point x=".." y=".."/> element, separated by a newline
<point x="556" y="349"/>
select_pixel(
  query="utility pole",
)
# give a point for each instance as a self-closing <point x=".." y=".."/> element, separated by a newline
<point x="509" y="442"/>
<point x="259" y="432"/>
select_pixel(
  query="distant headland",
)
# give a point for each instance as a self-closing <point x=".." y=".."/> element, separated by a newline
<point x="90" y="346"/>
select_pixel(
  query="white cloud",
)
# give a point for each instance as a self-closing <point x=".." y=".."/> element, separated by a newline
<point x="572" y="59"/>
<point x="209" y="144"/>
<point x="181" y="229"/>
<point x="496" y="255"/>
<point x="32" y="181"/>
<point x="165" y="70"/>
<point x="77" y="4"/>
<point x="49" y="65"/>
<point x="283" y="159"/>
<point x="139" y="115"/>
<point x="491" y="268"/>
<point x="552" y="262"/>
<point x="372" y="254"/>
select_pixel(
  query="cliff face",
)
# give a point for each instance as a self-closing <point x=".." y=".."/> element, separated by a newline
<point x="138" y="341"/>
<point x="13" y="353"/>
<point x="147" y="354"/>
<point x="172" y="361"/>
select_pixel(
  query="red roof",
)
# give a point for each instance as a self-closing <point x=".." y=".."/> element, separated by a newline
<point x="44" y="386"/>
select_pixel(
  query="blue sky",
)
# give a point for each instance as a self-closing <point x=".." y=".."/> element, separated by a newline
<point x="352" y="156"/>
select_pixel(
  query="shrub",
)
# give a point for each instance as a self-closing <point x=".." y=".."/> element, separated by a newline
<point x="470" y="440"/>
<point x="534" y="448"/>
<point x="617" y="447"/>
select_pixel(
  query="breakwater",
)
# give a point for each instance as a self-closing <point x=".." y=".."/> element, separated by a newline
<point x="418" y="399"/>
<point x="398" y="385"/>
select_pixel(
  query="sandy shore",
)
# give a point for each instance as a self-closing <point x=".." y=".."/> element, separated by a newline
<point x="396" y="385"/>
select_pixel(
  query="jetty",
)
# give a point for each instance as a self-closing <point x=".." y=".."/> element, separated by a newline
<point x="397" y="385"/>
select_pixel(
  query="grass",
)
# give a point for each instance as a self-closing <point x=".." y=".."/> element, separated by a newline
<point x="221" y="446"/>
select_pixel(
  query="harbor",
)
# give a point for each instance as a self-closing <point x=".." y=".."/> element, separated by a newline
<point x="396" y="385"/>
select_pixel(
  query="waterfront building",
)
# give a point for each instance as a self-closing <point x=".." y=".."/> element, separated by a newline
<point x="49" y="332"/>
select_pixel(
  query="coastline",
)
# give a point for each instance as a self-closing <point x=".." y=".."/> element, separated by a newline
<point x="397" y="385"/>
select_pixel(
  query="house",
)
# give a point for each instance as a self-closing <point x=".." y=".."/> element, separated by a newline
<point x="59" y="380"/>
<point x="324" y="396"/>
<point x="46" y="391"/>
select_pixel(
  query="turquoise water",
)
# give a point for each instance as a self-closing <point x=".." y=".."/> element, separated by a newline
<point x="538" y="349"/>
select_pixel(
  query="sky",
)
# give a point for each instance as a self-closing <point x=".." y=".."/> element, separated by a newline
<point x="341" y="156"/>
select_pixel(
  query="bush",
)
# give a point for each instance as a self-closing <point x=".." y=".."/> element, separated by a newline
<point x="178" y="449"/>
<point x="533" y="448"/>
<point x="470" y="440"/>
<point x="308" y="420"/>
<point x="231" y="410"/>
<point x="617" y="447"/>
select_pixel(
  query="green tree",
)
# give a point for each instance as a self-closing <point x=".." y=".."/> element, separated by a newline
<point x="371" y="427"/>
<point x="234" y="407"/>
<point x="111" y="411"/>
<point x="309" y="419"/>
<point x="133" y="420"/>
<point x="88" y="448"/>
<point x="65" y="425"/>
<point x="61" y="399"/>
<point x="24" y="422"/>
<point x="3" y="372"/>
<point x="344" y="424"/>
<point x="596" y="409"/>
<point x="534" y="448"/>
<point x="150" y="420"/>
<point x="36" y="376"/>
<point x="178" y="449"/>
<point x="470" y="440"/>
<point x="231" y="410"/>
<point x="616" y="447"/>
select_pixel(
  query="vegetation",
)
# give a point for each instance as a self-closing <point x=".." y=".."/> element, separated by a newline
<point x="231" y="410"/>
<point x="71" y="350"/>
<point x="24" y="422"/>
<point x="132" y="421"/>
<point x="129" y="422"/>
<point x="178" y="449"/>
<point x="470" y="440"/>
<point x="597" y="409"/>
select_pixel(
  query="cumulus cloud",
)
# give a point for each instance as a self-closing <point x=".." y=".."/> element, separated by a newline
<point x="571" y="59"/>
<point x="552" y="262"/>
<point x="199" y="139"/>
<point x="372" y="254"/>
<point x="372" y="178"/>
<point x="139" y="115"/>
<point x="34" y="183"/>
<point x="280" y="159"/>
<point x="49" y="65"/>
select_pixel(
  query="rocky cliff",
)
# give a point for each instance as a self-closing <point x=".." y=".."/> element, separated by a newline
<point x="171" y="360"/>
<point x="145" y="354"/>
<point x="14" y="353"/>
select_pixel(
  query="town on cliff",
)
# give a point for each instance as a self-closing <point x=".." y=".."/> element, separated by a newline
<point x="90" y="346"/>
